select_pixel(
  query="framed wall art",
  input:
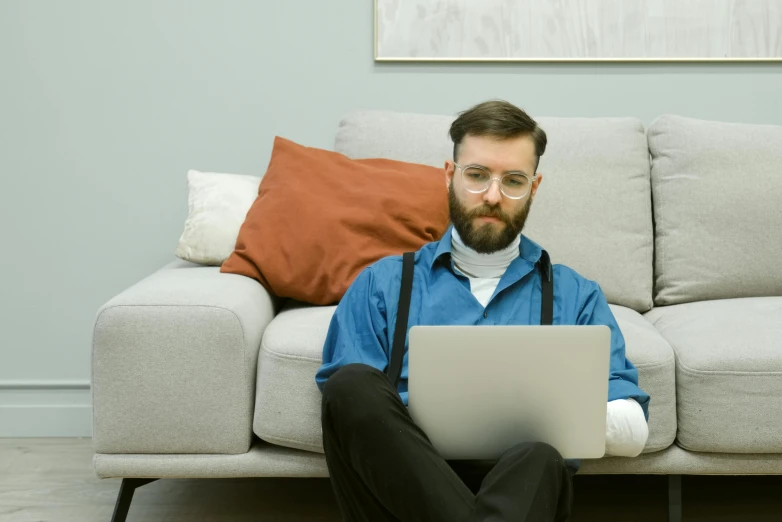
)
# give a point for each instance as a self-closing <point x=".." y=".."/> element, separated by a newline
<point x="578" y="30"/>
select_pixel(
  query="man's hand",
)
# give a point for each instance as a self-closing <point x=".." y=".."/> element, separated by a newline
<point x="626" y="428"/>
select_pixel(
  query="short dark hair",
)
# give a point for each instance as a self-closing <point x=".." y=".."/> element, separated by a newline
<point x="497" y="119"/>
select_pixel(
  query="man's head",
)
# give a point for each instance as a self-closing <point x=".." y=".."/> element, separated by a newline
<point x="496" y="146"/>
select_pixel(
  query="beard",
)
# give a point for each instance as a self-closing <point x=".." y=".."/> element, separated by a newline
<point x="486" y="238"/>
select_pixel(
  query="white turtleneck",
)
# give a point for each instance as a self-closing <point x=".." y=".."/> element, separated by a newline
<point x="626" y="427"/>
<point x="483" y="270"/>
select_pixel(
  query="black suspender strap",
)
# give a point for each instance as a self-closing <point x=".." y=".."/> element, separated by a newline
<point x="547" y="283"/>
<point x="394" y="369"/>
<point x="403" y="312"/>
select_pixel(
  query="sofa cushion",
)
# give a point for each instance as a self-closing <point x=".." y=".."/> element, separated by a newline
<point x="287" y="406"/>
<point x="717" y="209"/>
<point x="653" y="357"/>
<point x="593" y="211"/>
<point x="320" y="218"/>
<point x="728" y="373"/>
<point x="217" y="205"/>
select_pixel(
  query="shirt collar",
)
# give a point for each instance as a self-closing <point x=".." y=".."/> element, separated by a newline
<point x="528" y="249"/>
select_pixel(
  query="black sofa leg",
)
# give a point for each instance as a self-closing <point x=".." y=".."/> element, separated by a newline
<point x="125" y="495"/>
<point x="674" y="498"/>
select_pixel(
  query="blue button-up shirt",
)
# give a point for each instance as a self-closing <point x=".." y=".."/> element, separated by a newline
<point x="362" y="328"/>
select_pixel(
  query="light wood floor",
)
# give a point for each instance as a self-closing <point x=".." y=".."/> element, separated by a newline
<point x="52" y="480"/>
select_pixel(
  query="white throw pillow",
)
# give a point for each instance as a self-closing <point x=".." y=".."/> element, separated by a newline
<point x="218" y="204"/>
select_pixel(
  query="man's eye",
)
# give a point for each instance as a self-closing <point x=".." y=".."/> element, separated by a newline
<point x="515" y="181"/>
<point x="476" y="175"/>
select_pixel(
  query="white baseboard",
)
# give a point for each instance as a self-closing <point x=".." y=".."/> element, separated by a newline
<point x="45" y="409"/>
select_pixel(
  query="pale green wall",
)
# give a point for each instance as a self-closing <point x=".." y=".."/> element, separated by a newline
<point x="104" y="105"/>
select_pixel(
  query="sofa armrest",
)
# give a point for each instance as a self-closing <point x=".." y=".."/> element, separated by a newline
<point x="174" y="362"/>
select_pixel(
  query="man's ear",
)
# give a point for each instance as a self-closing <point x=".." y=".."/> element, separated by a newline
<point x="536" y="184"/>
<point x="449" y="171"/>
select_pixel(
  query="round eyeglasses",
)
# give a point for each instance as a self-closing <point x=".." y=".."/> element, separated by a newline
<point x="477" y="179"/>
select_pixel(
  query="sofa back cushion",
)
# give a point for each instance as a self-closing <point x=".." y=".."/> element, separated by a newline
<point x="593" y="210"/>
<point x="718" y="209"/>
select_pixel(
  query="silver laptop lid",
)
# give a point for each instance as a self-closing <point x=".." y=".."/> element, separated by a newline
<point x="476" y="391"/>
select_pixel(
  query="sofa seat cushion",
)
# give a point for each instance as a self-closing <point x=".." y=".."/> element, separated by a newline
<point x="287" y="406"/>
<point x="654" y="359"/>
<point x="728" y="373"/>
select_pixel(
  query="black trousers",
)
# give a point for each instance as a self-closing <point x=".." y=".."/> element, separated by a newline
<point x="384" y="468"/>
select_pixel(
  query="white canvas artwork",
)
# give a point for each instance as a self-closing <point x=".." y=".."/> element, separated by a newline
<point x="578" y="29"/>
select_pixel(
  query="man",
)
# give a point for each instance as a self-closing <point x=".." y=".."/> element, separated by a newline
<point x="482" y="272"/>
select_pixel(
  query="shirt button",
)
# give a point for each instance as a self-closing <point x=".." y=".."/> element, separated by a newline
<point x="485" y="315"/>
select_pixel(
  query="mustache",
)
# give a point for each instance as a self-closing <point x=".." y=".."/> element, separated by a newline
<point x="490" y="212"/>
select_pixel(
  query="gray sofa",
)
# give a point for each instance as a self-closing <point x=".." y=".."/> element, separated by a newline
<point x="201" y="374"/>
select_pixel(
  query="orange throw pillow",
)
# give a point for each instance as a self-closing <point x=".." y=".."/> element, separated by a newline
<point x="320" y="218"/>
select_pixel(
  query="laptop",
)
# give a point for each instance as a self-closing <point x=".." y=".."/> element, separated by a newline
<point x="476" y="391"/>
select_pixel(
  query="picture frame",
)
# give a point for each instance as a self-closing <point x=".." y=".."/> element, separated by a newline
<point x="578" y="31"/>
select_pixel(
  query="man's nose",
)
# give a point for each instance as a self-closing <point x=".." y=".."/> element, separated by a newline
<point x="493" y="194"/>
